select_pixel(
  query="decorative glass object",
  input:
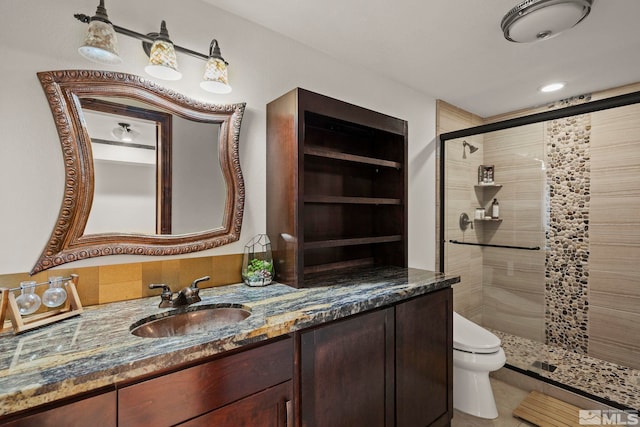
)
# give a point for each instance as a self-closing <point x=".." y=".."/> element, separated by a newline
<point x="28" y="301"/>
<point x="55" y="296"/>
<point x="257" y="262"/>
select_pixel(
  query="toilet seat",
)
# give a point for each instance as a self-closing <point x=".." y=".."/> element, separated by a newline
<point x="472" y="338"/>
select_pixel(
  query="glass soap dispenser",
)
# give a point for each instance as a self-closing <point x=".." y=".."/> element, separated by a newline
<point x="28" y="301"/>
<point x="55" y="296"/>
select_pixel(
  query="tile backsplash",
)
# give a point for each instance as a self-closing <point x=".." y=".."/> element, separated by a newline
<point x="120" y="282"/>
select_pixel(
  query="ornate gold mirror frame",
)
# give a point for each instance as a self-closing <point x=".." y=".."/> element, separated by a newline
<point x="64" y="90"/>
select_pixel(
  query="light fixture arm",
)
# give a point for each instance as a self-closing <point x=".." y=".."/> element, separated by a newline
<point x="214" y="51"/>
<point x="144" y="38"/>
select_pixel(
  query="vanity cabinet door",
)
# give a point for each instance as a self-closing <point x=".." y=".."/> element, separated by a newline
<point x="268" y="408"/>
<point x="180" y="396"/>
<point x="347" y="372"/>
<point x="424" y="360"/>
<point x="95" y="411"/>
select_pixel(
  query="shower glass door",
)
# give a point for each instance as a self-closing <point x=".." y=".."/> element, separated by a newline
<point x="501" y="259"/>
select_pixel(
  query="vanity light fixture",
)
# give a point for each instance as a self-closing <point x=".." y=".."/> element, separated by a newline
<point x="534" y="20"/>
<point x="101" y="46"/>
<point x="163" y="63"/>
<point x="215" y="77"/>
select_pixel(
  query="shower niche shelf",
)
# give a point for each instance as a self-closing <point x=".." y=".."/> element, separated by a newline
<point x="488" y="186"/>
<point x="485" y="193"/>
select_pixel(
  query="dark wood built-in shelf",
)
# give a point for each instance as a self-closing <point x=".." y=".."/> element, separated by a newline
<point x="336" y="186"/>
<point x="333" y="154"/>
<point x="352" y="200"/>
<point x="332" y="243"/>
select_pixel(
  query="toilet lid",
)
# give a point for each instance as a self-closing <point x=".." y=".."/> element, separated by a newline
<point x="467" y="336"/>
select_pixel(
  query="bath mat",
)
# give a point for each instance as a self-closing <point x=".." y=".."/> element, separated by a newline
<point x="546" y="411"/>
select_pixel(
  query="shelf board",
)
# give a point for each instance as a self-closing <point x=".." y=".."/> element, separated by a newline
<point x="352" y="200"/>
<point x="332" y="243"/>
<point x="488" y="185"/>
<point x="341" y="265"/>
<point x="317" y="151"/>
<point x="488" y="220"/>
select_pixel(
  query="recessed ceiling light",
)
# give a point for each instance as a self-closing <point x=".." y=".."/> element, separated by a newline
<point x="552" y="87"/>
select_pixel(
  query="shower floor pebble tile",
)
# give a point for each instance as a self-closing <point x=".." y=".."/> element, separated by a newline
<point x="619" y="384"/>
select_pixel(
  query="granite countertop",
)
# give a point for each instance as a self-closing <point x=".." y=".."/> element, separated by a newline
<point x="96" y="349"/>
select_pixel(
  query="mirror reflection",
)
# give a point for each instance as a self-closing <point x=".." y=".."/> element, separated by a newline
<point x="148" y="171"/>
<point x="154" y="172"/>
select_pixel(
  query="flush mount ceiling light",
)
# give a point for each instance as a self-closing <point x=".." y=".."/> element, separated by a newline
<point x="124" y="133"/>
<point x="534" y="20"/>
<point x="101" y="45"/>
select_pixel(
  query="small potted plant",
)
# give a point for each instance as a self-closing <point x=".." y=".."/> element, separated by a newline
<point x="257" y="262"/>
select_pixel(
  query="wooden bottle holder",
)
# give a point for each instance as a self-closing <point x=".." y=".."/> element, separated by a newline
<point x="72" y="307"/>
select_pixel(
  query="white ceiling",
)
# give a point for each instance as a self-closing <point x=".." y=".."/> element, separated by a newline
<point x="454" y="49"/>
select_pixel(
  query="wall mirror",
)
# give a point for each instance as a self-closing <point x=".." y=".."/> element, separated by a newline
<point x="148" y="171"/>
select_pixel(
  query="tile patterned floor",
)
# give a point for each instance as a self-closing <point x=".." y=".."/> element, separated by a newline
<point x="507" y="398"/>
<point x="607" y="380"/>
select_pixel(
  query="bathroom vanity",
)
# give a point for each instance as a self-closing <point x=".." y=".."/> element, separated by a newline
<point x="367" y="349"/>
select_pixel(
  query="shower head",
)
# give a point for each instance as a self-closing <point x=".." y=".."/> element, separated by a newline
<point x="472" y="149"/>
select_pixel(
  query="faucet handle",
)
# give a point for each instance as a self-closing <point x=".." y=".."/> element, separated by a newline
<point x="194" y="284"/>
<point x="165" y="296"/>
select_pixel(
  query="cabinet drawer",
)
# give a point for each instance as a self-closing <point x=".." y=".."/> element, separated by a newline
<point x="268" y="408"/>
<point x="179" y="396"/>
<point x="98" y="411"/>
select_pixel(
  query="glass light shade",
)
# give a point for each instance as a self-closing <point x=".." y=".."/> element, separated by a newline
<point x="163" y="63"/>
<point x="124" y="133"/>
<point x="215" y="77"/>
<point x="101" y="43"/>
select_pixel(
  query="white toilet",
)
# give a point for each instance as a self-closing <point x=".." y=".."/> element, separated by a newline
<point x="476" y="352"/>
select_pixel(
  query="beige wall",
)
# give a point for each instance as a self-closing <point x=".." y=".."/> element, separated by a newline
<point x="614" y="261"/>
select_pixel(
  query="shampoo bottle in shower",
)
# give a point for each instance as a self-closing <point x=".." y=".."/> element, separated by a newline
<point x="495" y="209"/>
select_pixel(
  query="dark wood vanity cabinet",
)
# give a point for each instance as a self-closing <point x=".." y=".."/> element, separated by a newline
<point x="96" y="410"/>
<point x="389" y="367"/>
<point x="336" y="186"/>
<point x="346" y="372"/>
<point x="392" y="367"/>
<point x="249" y="388"/>
<point x="262" y="409"/>
<point x="424" y="360"/>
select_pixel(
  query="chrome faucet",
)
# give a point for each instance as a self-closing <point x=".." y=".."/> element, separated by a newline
<point x="186" y="296"/>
